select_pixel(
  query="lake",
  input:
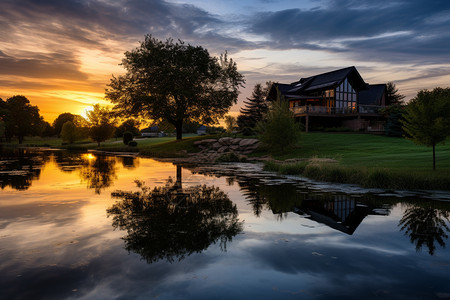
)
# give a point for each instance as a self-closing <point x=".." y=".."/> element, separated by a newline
<point x="87" y="226"/>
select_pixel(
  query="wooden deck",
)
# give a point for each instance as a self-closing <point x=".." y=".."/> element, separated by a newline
<point x="309" y="110"/>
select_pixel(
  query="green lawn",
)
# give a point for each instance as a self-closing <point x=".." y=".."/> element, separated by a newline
<point x="369" y="151"/>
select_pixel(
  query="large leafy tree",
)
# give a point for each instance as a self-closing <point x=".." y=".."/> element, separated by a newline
<point x="21" y="118"/>
<point x="254" y="110"/>
<point x="427" y="118"/>
<point x="100" y="124"/>
<point x="175" y="82"/>
<point x="58" y="123"/>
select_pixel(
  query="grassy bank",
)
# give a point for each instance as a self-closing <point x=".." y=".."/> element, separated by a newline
<point x="367" y="160"/>
<point x="364" y="176"/>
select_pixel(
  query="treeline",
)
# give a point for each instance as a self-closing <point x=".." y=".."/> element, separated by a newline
<point x="19" y="118"/>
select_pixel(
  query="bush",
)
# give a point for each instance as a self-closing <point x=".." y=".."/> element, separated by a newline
<point x="132" y="144"/>
<point x="127" y="137"/>
<point x="279" y="131"/>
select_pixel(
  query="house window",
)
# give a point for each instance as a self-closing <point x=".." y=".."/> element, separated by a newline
<point x="345" y="95"/>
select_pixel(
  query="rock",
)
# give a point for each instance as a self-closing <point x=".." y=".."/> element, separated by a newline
<point x="216" y="145"/>
<point x="247" y="142"/>
<point x="235" y="147"/>
<point x="236" y="141"/>
<point x="222" y="149"/>
<point x="226" y="141"/>
<point x="207" y="141"/>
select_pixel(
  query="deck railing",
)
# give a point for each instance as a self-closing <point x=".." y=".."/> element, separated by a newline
<point x="360" y="109"/>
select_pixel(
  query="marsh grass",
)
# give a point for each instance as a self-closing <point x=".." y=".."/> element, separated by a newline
<point x="364" y="176"/>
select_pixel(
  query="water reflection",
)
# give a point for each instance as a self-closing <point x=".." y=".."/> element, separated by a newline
<point x="171" y="222"/>
<point x="19" y="167"/>
<point x="99" y="172"/>
<point x="426" y="226"/>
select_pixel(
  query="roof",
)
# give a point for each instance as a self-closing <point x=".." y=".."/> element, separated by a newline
<point x="329" y="79"/>
<point x="372" y="95"/>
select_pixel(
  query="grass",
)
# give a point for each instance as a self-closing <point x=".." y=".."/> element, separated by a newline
<point x="364" y="150"/>
<point x="368" y="160"/>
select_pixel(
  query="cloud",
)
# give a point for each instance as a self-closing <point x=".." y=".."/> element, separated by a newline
<point x="405" y="29"/>
<point x="54" y="65"/>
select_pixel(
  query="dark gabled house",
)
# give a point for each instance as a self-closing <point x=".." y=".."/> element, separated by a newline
<point x="339" y="98"/>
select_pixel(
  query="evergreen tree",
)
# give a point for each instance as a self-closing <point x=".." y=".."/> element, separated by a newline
<point x="254" y="110"/>
<point x="393" y="96"/>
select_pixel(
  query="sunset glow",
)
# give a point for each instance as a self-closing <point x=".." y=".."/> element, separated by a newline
<point x="62" y="54"/>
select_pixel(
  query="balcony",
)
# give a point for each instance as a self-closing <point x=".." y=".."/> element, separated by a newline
<point x="323" y="110"/>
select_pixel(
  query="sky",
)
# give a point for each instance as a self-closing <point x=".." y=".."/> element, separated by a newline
<point x="62" y="54"/>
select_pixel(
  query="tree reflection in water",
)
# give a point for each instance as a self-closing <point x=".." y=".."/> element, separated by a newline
<point x="98" y="172"/>
<point x="19" y="167"/>
<point x="170" y="223"/>
<point x="425" y="226"/>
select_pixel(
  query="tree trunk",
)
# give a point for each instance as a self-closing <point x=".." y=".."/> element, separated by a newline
<point x="434" y="157"/>
<point x="179" y="129"/>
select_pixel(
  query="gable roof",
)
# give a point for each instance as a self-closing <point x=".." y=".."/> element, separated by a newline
<point x="372" y="95"/>
<point x="329" y="79"/>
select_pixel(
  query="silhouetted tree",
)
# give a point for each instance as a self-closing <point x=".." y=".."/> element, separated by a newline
<point x="21" y="118"/>
<point x="69" y="132"/>
<point x="254" y="110"/>
<point x="425" y="226"/>
<point x="47" y="129"/>
<point x="130" y="125"/>
<point x="175" y="82"/>
<point x="63" y="118"/>
<point x="100" y="124"/>
<point x="427" y="118"/>
<point x="393" y="96"/>
<point x="170" y="223"/>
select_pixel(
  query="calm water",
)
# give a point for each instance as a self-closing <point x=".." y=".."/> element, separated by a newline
<point x="81" y="226"/>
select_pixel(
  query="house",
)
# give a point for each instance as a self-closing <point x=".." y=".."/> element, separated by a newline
<point x="201" y="130"/>
<point x="150" y="132"/>
<point x="339" y="98"/>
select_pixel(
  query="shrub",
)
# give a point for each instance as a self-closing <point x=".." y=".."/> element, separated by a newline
<point x="127" y="137"/>
<point x="132" y="144"/>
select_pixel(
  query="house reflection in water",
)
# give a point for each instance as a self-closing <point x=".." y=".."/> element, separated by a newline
<point x="341" y="212"/>
<point x="338" y="211"/>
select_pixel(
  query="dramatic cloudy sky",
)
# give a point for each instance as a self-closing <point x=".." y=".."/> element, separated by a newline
<point x="61" y="54"/>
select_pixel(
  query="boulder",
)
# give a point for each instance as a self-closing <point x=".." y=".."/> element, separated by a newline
<point x="226" y="141"/>
<point x="216" y="145"/>
<point x="236" y="141"/>
<point x="247" y="142"/>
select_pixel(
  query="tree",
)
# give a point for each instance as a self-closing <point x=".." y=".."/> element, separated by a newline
<point x="393" y="96"/>
<point x="129" y="125"/>
<point x="279" y="131"/>
<point x="21" y="118"/>
<point x="427" y="118"/>
<point x="394" y="114"/>
<point x="255" y="108"/>
<point x="175" y="82"/>
<point x="231" y="123"/>
<point x="47" y="129"/>
<point x="100" y="124"/>
<point x="63" y="118"/>
<point x="69" y="132"/>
